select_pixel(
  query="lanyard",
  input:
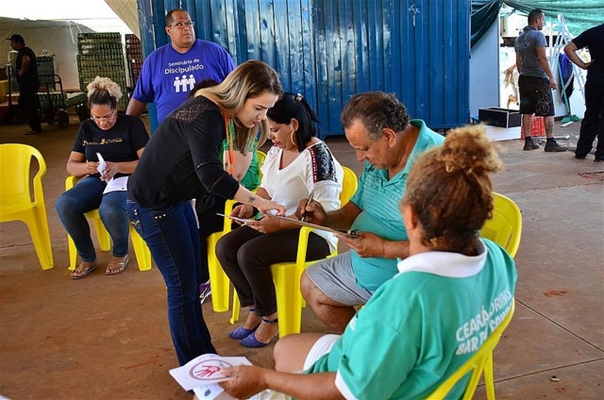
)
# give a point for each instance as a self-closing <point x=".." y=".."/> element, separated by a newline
<point x="230" y="134"/>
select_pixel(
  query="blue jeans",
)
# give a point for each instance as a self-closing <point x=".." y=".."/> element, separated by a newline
<point x="172" y="236"/>
<point x="88" y="195"/>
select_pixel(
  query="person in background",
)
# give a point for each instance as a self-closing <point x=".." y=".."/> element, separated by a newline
<point x="180" y="163"/>
<point x="535" y="82"/>
<point x="377" y="127"/>
<point x="407" y="341"/>
<point x="28" y="82"/>
<point x="592" y="125"/>
<point x="170" y="73"/>
<point x="244" y="166"/>
<point x="120" y="140"/>
<point x="298" y="165"/>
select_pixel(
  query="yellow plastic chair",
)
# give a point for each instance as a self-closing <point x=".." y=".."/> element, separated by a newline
<point x="286" y="275"/>
<point x="505" y="227"/>
<point x="142" y="252"/>
<point x="219" y="281"/>
<point x="261" y="156"/>
<point x="16" y="203"/>
<point x="481" y="361"/>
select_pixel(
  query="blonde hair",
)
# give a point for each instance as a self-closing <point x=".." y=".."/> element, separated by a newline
<point x="249" y="80"/>
<point x="450" y="189"/>
<point x="103" y="91"/>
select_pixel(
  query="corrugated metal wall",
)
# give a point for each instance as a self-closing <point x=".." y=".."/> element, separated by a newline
<point x="330" y="49"/>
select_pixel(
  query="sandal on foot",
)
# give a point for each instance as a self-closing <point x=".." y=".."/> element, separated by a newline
<point x="241" y="332"/>
<point x="117" y="265"/>
<point x="252" y="341"/>
<point x="82" y="270"/>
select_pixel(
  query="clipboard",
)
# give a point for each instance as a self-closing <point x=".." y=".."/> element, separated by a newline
<point x="345" y="232"/>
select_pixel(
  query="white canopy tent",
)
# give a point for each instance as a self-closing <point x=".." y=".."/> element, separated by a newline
<point x="51" y="27"/>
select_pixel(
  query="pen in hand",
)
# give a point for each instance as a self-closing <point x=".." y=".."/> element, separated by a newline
<point x="308" y="201"/>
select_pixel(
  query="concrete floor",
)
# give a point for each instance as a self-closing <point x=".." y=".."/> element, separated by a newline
<point x="107" y="337"/>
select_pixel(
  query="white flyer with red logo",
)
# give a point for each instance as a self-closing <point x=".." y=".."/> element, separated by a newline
<point x="205" y="369"/>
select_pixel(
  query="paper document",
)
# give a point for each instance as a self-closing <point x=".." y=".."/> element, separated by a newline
<point x="346" y="232"/>
<point x="205" y="369"/>
<point x="207" y="392"/>
<point x="116" y="184"/>
<point x="102" y="163"/>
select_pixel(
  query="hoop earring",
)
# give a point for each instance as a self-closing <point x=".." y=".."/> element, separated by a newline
<point x="292" y="137"/>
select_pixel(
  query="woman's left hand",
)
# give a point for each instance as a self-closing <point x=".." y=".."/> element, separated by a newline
<point x="110" y="170"/>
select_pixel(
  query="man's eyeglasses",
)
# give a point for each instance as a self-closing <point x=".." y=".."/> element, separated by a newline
<point x="183" y="25"/>
<point x="103" y="119"/>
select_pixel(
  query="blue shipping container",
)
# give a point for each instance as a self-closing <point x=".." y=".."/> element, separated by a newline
<point x="328" y="50"/>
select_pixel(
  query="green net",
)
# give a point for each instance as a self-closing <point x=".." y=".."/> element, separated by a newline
<point x="580" y="15"/>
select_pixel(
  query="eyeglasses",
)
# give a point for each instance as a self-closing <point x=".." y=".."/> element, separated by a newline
<point x="103" y="119"/>
<point x="183" y="25"/>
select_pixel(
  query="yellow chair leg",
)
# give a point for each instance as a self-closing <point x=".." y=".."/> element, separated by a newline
<point x="143" y="254"/>
<point x="289" y="302"/>
<point x="37" y="225"/>
<point x="236" y="308"/>
<point x="219" y="281"/>
<point x="489" y="382"/>
<point x="73" y="253"/>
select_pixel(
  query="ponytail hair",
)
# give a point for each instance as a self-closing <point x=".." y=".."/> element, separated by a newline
<point x="450" y="189"/>
<point x="290" y="106"/>
<point x="103" y="91"/>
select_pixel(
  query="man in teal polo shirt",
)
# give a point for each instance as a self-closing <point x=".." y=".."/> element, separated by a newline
<point x="377" y="126"/>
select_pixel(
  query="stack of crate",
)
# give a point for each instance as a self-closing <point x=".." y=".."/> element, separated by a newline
<point x="49" y="99"/>
<point x="102" y="54"/>
<point x="46" y="72"/>
<point x="134" y="55"/>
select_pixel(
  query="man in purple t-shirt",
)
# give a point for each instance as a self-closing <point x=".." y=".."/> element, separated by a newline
<point x="170" y="72"/>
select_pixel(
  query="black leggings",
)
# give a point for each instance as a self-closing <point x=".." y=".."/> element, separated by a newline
<point x="246" y="256"/>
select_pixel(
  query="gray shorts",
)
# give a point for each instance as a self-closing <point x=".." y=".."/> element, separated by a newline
<point x="335" y="278"/>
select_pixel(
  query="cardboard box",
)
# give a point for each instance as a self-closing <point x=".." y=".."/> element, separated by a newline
<point x="3" y="91"/>
<point x="502" y="117"/>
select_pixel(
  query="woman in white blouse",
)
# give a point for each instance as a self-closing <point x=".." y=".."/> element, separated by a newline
<point x="298" y="166"/>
